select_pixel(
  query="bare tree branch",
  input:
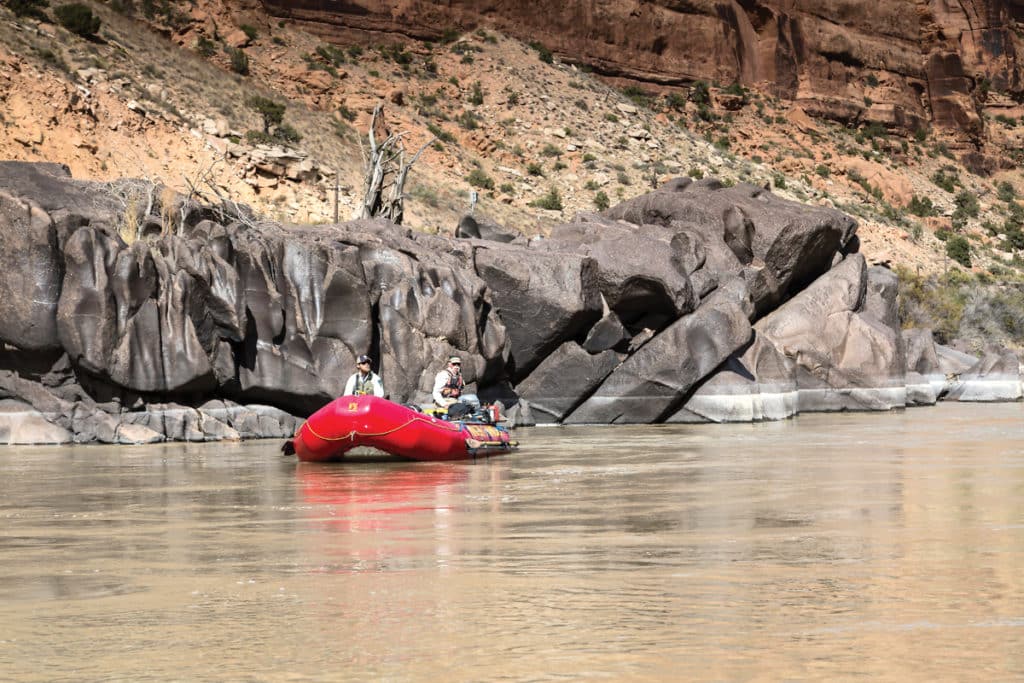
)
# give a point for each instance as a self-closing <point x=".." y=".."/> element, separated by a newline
<point x="385" y="171"/>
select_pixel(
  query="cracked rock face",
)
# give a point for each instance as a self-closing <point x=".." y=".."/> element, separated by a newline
<point x="693" y="302"/>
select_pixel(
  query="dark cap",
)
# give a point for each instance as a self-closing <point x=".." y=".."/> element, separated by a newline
<point x="362" y="359"/>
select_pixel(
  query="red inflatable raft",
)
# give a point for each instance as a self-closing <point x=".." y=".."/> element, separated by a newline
<point x="352" y="421"/>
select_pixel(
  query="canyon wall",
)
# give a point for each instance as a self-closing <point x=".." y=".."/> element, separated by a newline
<point x="905" y="64"/>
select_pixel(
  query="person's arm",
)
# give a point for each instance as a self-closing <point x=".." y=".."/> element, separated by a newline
<point x="378" y="386"/>
<point x="439" y="382"/>
<point x="350" y="386"/>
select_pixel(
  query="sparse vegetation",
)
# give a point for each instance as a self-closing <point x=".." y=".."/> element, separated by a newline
<point x="239" y="60"/>
<point x="1006" y="192"/>
<point x="921" y="206"/>
<point x="206" y="47"/>
<point x="31" y="9"/>
<point x="552" y="201"/>
<point x="958" y="249"/>
<point x="542" y="52"/>
<point x="932" y="302"/>
<point x="519" y="142"/>
<point x="78" y="19"/>
<point x="477" y="178"/>
<point x="945" y="179"/>
<point x="476" y="96"/>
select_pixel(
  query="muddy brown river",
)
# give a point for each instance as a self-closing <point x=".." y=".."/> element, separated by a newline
<point x="829" y="547"/>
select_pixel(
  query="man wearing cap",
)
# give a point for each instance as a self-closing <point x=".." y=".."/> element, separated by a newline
<point x="448" y="384"/>
<point x="450" y="387"/>
<point x="365" y="381"/>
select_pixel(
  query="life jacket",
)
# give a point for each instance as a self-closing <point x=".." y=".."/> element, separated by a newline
<point x="454" y="386"/>
<point x="364" y="387"/>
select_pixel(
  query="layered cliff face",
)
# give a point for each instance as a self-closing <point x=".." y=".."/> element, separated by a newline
<point x="906" y="64"/>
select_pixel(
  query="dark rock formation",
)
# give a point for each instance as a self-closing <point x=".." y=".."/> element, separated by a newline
<point x="482" y="227"/>
<point x="564" y="379"/>
<point x="694" y="302"/>
<point x="648" y="384"/>
<point x="543" y="298"/>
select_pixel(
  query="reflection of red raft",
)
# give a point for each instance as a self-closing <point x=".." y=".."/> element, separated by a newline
<point x="352" y="421"/>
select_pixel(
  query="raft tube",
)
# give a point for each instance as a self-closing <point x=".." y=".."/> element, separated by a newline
<point x="351" y="421"/>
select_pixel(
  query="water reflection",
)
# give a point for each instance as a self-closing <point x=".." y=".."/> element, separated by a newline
<point x="826" y="547"/>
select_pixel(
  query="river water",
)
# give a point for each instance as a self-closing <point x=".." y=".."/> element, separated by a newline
<point x="829" y="547"/>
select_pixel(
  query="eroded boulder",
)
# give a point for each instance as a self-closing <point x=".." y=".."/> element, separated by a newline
<point x="649" y="385"/>
<point x="749" y="226"/>
<point x="31" y="274"/>
<point x="565" y="378"/>
<point x="543" y="299"/>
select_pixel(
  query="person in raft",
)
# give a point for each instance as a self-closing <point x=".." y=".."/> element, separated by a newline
<point x="450" y="387"/>
<point x="365" y="381"/>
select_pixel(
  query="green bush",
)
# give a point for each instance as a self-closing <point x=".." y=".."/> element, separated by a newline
<point x="331" y="54"/>
<point x="921" y="206"/>
<point x="551" y="151"/>
<point x="700" y="94"/>
<point x="271" y="111"/>
<point x="346" y="113"/>
<point x="675" y="101"/>
<point x="947" y="182"/>
<point x="206" y="47"/>
<point x="735" y="89"/>
<point x="477" y="178"/>
<point x="78" y="19"/>
<point x="968" y="203"/>
<point x="239" y="60"/>
<point x="286" y="133"/>
<point x="958" y="249"/>
<point x="544" y="53"/>
<point x="601" y="201"/>
<point x="936" y="303"/>
<point x="440" y="133"/>
<point x="552" y="201"/>
<point x="258" y="137"/>
<point x="468" y="120"/>
<point x="1014" y="235"/>
<point x="1006" y="192"/>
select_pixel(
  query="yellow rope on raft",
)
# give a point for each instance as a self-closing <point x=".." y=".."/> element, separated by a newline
<point x="354" y="433"/>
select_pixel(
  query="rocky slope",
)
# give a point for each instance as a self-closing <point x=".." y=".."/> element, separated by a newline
<point x="905" y="64"/>
<point x="155" y="97"/>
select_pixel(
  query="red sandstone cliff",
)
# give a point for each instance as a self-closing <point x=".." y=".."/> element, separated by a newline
<point x="903" y="63"/>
